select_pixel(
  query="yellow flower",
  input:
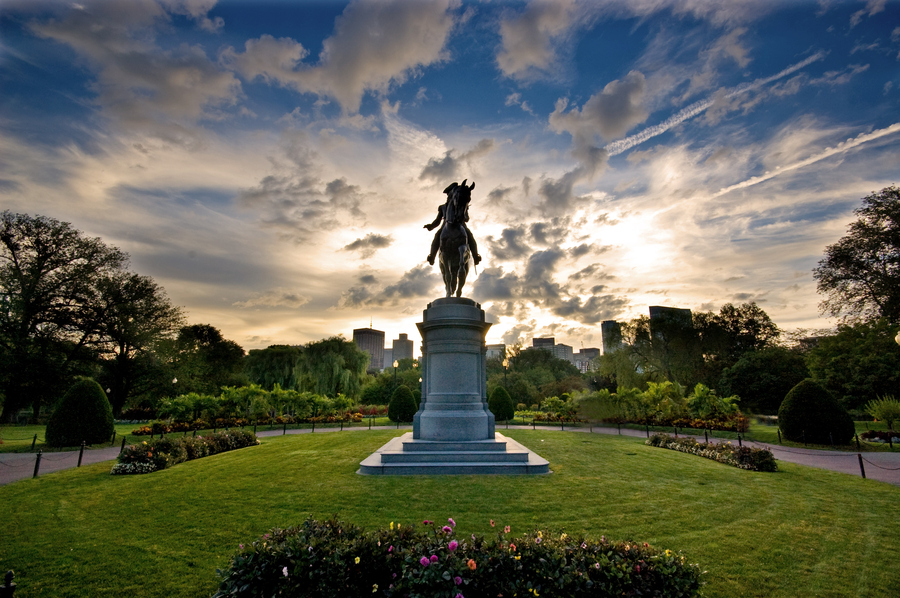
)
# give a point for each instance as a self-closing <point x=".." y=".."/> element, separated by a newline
<point x="356" y="560"/>
<point x="374" y="587"/>
<point x="517" y="557"/>
<point x="540" y="534"/>
<point x="392" y="526"/>
<point x="564" y="536"/>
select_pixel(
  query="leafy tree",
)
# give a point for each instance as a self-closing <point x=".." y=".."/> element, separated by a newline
<point x="762" y="378"/>
<point x="858" y="363"/>
<point x="134" y="315"/>
<point x="49" y="276"/>
<point x="203" y="361"/>
<point x="331" y="366"/>
<point x="273" y="365"/>
<point x="703" y="402"/>
<point x="860" y="274"/>
<point x="886" y="409"/>
<point x="82" y="415"/>
<point x="501" y="405"/>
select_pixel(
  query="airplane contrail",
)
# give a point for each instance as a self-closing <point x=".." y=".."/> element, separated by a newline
<point x="831" y="151"/>
<point x="621" y="145"/>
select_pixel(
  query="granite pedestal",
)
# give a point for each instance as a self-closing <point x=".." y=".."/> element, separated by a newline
<point x="453" y="431"/>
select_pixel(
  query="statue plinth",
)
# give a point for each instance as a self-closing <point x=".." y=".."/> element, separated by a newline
<point x="453" y="431"/>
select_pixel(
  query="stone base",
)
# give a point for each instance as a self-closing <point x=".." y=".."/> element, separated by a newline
<point x="406" y="455"/>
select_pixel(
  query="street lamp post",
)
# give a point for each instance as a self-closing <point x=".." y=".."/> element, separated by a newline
<point x="505" y="369"/>
<point x="396" y="365"/>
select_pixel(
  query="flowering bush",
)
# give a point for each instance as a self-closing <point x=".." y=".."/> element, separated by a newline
<point x="882" y="435"/>
<point x="333" y="558"/>
<point x="149" y="456"/>
<point x="744" y="457"/>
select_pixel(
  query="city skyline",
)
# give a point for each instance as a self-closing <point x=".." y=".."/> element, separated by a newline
<point x="272" y="165"/>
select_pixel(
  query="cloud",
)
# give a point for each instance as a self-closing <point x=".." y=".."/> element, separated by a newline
<point x="417" y="283"/>
<point x="370" y="244"/>
<point x="873" y="7"/>
<point x="279" y="297"/>
<point x="374" y="45"/>
<point x="142" y="86"/>
<point x="595" y="309"/>
<point x="608" y="113"/>
<point x="510" y="245"/>
<point x="443" y="170"/>
<point x="531" y="40"/>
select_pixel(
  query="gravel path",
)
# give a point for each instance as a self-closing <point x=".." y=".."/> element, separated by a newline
<point x="884" y="467"/>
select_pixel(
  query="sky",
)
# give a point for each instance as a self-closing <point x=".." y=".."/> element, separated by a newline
<point x="272" y="164"/>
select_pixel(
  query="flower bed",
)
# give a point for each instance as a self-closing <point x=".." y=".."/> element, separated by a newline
<point x="150" y="456"/>
<point x="333" y="558"/>
<point x="744" y="457"/>
<point x="880" y="435"/>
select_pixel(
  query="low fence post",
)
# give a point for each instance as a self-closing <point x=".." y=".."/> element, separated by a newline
<point x="706" y="436"/>
<point x="648" y="430"/>
<point x="284" y="430"/>
<point x="37" y="463"/>
<point x="740" y="444"/>
<point x="857" y="441"/>
<point x="9" y="587"/>
<point x="33" y="442"/>
<point x="862" y="468"/>
<point x="123" y="445"/>
<point x="676" y="431"/>
<point x="113" y="441"/>
<point x="779" y="436"/>
<point x="342" y="425"/>
<point x="618" y="427"/>
<point x="370" y="422"/>
<point x="891" y="441"/>
<point x="80" y="454"/>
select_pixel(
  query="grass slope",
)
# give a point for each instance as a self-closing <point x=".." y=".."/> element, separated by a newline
<point x="798" y="532"/>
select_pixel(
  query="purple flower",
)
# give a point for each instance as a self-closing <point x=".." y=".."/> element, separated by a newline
<point x="434" y="558"/>
<point x="424" y="561"/>
<point x="537" y="540"/>
<point x="447" y="529"/>
<point x="284" y="570"/>
<point x="240" y="546"/>
<point x="391" y="549"/>
<point x="426" y="522"/>
<point x="457" y="580"/>
<point x="451" y="522"/>
<point x="459" y="596"/>
<point x="453" y="545"/>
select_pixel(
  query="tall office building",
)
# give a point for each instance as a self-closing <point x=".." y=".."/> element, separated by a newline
<point x="388" y="358"/>
<point x="498" y="350"/>
<point x="562" y="351"/>
<point x="372" y="342"/>
<point x="611" y="335"/>
<point x="543" y="343"/>
<point x="403" y="348"/>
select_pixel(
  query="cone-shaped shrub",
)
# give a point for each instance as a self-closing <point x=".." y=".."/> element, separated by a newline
<point x="809" y="413"/>
<point x="82" y="415"/>
<point x="403" y="405"/>
<point x="501" y="404"/>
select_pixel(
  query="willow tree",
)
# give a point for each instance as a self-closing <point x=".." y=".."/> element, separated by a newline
<point x="332" y="366"/>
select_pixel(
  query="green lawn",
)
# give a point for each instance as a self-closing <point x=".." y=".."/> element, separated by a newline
<point x="798" y="532"/>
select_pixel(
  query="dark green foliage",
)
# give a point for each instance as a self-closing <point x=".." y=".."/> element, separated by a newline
<point x="82" y="415"/>
<point x="403" y="405"/>
<point x="809" y="413"/>
<point x="859" y="363"/>
<point x="753" y="459"/>
<point x="763" y="378"/>
<point x="332" y="366"/>
<point x="273" y="365"/>
<point x="205" y="361"/>
<point x="153" y="455"/>
<point x="501" y="404"/>
<point x="333" y="558"/>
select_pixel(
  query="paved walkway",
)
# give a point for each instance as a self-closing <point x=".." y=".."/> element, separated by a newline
<point x="884" y="467"/>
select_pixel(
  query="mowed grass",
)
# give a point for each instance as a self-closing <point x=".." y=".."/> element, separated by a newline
<point x="798" y="532"/>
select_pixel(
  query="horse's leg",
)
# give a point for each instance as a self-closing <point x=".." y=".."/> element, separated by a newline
<point x="463" y="268"/>
<point x="445" y="273"/>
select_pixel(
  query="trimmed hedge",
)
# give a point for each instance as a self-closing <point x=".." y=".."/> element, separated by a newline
<point x="403" y="405"/>
<point x="809" y="413"/>
<point x="161" y="453"/>
<point x="501" y="404"/>
<point x="82" y="415"/>
<point x="334" y="558"/>
<point x="745" y="457"/>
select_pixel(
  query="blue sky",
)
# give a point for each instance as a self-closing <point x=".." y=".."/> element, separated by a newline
<point x="272" y="164"/>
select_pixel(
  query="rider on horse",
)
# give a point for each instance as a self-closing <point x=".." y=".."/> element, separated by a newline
<point x="437" y="221"/>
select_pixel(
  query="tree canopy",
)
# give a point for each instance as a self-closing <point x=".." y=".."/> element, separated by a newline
<point x="860" y="274"/>
<point x="331" y="366"/>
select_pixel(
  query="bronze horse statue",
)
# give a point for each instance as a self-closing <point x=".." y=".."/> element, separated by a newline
<point x="454" y="246"/>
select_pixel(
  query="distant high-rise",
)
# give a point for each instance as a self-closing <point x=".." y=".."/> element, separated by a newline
<point x="611" y="334"/>
<point x="388" y="358"/>
<point x="543" y="343"/>
<point x="562" y="351"/>
<point x="496" y="351"/>
<point x="403" y="348"/>
<point x="584" y="359"/>
<point x="372" y="342"/>
<point x="671" y="315"/>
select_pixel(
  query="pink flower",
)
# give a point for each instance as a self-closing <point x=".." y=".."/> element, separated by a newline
<point x="537" y="540"/>
<point x="492" y="523"/>
<point x="457" y="580"/>
<point x="447" y="529"/>
<point x="240" y="546"/>
<point x="506" y="530"/>
<point x="424" y="561"/>
<point x="583" y="545"/>
<point x="451" y="522"/>
<point x="284" y="571"/>
<point x="459" y="596"/>
<point x="426" y="522"/>
<point x="391" y="548"/>
<point x="434" y="558"/>
<point x="453" y="545"/>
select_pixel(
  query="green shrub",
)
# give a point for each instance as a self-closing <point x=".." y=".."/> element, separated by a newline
<point x="886" y="409"/>
<point x="333" y="558"/>
<point x="501" y="404"/>
<point x="809" y="413"/>
<point x="403" y="405"/>
<point x="82" y="415"/>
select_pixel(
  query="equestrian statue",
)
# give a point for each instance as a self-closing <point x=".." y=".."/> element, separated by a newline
<point x="454" y="239"/>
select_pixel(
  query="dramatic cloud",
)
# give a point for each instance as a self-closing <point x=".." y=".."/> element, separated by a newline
<point x="417" y="283"/>
<point x="510" y="245"/>
<point x="275" y="298"/>
<point x="530" y="40"/>
<point x="370" y="244"/>
<point x="608" y="114"/>
<point x="374" y="45"/>
<point x="441" y="170"/>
